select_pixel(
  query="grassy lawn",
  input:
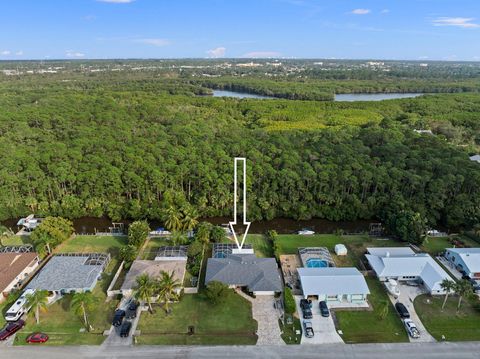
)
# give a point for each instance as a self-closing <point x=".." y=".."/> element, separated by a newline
<point x="229" y="322"/>
<point x="16" y="240"/>
<point x="367" y="326"/>
<point x="92" y="244"/>
<point x="151" y="248"/>
<point x="435" y="245"/>
<point x="262" y="247"/>
<point x="65" y="328"/>
<point x="289" y="335"/>
<point x="463" y="325"/>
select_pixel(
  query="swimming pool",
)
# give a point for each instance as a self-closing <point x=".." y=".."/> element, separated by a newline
<point x="316" y="263"/>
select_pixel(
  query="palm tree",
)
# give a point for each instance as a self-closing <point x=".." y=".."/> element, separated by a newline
<point x="167" y="288"/>
<point x="464" y="289"/>
<point x="178" y="238"/>
<point x="82" y="303"/>
<point x="37" y="300"/>
<point x="173" y="219"/>
<point x="5" y="233"/>
<point x="189" y="220"/>
<point x="145" y="289"/>
<point x="203" y="232"/>
<point x="448" y="286"/>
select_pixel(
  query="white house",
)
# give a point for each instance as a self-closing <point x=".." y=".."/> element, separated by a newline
<point x="465" y="260"/>
<point x="403" y="264"/>
<point x="334" y="284"/>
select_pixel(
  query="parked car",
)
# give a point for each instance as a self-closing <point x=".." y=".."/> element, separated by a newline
<point x="11" y="328"/>
<point x="125" y="329"/>
<point x="307" y="313"/>
<point x="307" y="326"/>
<point x="402" y="310"/>
<point x="37" y="338"/>
<point x="305" y="304"/>
<point x="324" y="309"/>
<point x="118" y="317"/>
<point x="412" y="329"/>
<point x="131" y="311"/>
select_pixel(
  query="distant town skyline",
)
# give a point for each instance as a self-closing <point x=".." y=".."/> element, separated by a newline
<point x="350" y="29"/>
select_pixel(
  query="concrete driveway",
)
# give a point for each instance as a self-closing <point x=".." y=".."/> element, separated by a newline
<point x="324" y="328"/>
<point x="407" y="294"/>
<point x="114" y="338"/>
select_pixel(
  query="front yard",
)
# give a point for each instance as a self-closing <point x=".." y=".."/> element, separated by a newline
<point x="229" y="322"/>
<point x="369" y="326"/>
<point x="463" y="325"/>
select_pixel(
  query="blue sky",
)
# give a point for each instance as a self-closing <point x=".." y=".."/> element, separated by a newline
<point x="388" y="29"/>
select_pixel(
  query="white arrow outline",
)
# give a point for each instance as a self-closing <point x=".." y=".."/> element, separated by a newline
<point x="234" y="222"/>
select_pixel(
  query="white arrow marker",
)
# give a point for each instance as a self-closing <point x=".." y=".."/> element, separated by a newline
<point x="235" y="182"/>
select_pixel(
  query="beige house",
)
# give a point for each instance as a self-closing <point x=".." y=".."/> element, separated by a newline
<point x="15" y="270"/>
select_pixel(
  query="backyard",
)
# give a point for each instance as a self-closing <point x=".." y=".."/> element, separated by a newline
<point x="229" y="322"/>
<point x="436" y="245"/>
<point x="369" y="326"/>
<point x="463" y="325"/>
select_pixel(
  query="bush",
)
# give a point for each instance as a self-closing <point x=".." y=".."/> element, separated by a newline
<point x="216" y="291"/>
<point x="137" y="233"/>
<point x="289" y="301"/>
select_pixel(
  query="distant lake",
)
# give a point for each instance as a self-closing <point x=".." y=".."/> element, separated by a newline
<point x="222" y="93"/>
<point x="350" y="97"/>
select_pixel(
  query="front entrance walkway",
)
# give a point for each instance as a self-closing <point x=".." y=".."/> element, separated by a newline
<point x="407" y="295"/>
<point x="267" y="317"/>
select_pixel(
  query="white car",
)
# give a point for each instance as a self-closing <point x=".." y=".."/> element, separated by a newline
<point x="306" y="232"/>
<point x="412" y="329"/>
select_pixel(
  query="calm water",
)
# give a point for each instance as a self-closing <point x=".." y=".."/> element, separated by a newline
<point x="350" y="97"/>
<point x="222" y="93"/>
<point x="281" y="225"/>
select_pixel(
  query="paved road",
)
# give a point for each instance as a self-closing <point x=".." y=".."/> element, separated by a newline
<point x="463" y="350"/>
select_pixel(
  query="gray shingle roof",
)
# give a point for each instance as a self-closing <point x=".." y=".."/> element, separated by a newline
<point x="68" y="273"/>
<point x="245" y="270"/>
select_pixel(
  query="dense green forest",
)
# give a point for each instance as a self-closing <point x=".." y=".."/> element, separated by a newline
<point x="116" y="144"/>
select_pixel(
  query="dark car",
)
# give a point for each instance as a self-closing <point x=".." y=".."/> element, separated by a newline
<point x="308" y="328"/>
<point x="131" y="311"/>
<point x="11" y="328"/>
<point x="305" y="304"/>
<point x="125" y="329"/>
<point x="37" y="338"/>
<point x="307" y="313"/>
<point x="402" y="310"/>
<point x="324" y="309"/>
<point x="118" y="317"/>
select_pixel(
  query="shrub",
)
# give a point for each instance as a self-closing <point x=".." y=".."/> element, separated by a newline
<point x="289" y="301"/>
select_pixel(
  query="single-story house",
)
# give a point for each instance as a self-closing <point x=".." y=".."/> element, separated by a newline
<point x="403" y="264"/>
<point x="465" y="260"/>
<point x="70" y="273"/>
<point x="259" y="276"/>
<point x="15" y="269"/>
<point x="153" y="268"/>
<point x="334" y="284"/>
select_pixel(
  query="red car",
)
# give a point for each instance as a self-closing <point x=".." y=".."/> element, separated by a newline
<point x="37" y="338"/>
<point x="10" y="329"/>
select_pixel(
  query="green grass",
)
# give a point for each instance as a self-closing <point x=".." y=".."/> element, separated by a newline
<point x="63" y="326"/>
<point x="289" y="335"/>
<point x="367" y="326"/>
<point x="229" y="322"/>
<point x="16" y="240"/>
<point x="92" y="244"/>
<point x="435" y="245"/>
<point x="262" y="247"/>
<point x="463" y="325"/>
<point x="151" y="248"/>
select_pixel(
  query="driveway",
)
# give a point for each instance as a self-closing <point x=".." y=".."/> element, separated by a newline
<point x="114" y="338"/>
<point x="264" y="312"/>
<point x="324" y="328"/>
<point x="407" y="295"/>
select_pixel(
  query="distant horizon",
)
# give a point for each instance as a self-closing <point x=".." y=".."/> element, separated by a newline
<point x="302" y="29"/>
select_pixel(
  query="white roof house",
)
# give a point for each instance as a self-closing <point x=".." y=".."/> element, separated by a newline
<point x="466" y="259"/>
<point x="334" y="284"/>
<point x="475" y="158"/>
<point x="404" y="264"/>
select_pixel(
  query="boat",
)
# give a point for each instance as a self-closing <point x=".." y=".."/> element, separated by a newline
<point x="392" y="288"/>
<point x="306" y="232"/>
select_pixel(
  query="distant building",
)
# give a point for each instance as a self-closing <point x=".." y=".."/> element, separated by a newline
<point x="334" y="284"/>
<point x="475" y="158"/>
<point x="465" y="260"/>
<point x="15" y="269"/>
<point x="403" y="264"/>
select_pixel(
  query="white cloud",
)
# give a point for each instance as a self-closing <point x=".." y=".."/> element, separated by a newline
<point x="71" y="53"/>
<point x="117" y="1"/>
<point x="361" y="11"/>
<point x="5" y="52"/>
<point x="262" y="54"/>
<point x="154" y="42"/>
<point x="385" y="11"/>
<point x="464" y="22"/>
<point x="89" y="17"/>
<point x="217" y="52"/>
<point x="19" y="53"/>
